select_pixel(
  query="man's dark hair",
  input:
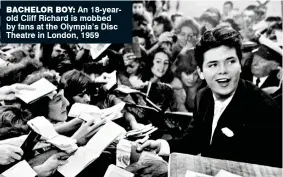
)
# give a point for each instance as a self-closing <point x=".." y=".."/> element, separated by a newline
<point x="229" y="2"/>
<point x="163" y="19"/>
<point x="215" y="38"/>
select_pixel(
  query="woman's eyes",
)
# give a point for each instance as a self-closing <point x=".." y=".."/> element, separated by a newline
<point x="57" y="98"/>
<point x="232" y="61"/>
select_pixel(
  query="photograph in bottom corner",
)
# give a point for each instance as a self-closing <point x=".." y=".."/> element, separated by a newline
<point x="199" y="77"/>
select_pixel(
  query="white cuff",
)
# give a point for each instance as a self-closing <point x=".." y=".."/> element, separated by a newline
<point x="164" y="148"/>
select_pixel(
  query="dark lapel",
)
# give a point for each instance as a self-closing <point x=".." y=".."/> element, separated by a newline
<point x="208" y="113"/>
<point x="230" y="115"/>
<point x="271" y="80"/>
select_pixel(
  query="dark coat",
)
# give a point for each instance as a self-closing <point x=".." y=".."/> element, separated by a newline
<point x="253" y="117"/>
<point x="271" y="80"/>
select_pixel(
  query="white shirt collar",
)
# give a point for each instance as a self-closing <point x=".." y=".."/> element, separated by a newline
<point x="262" y="80"/>
<point x="219" y="107"/>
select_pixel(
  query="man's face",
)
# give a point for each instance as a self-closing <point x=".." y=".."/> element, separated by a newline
<point x="221" y="70"/>
<point x="249" y="17"/>
<point x="227" y="8"/>
<point x="138" y="8"/>
<point x="261" y="67"/>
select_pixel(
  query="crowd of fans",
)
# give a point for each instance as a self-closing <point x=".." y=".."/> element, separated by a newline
<point x="161" y="57"/>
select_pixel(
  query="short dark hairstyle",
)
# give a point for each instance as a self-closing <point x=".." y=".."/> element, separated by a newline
<point x="233" y="24"/>
<point x="74" y="82"/>
<point x="185" y="63"/>
<point x="229" y="2"/>
<point x="13" y="121"/>
<point x="215" y="38"/>
<point x="163" y="19"/>
<point x="16" y="73"/>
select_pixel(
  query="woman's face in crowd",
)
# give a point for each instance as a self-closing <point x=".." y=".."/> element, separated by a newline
<point x="185" y="36"/>
<point x="190" y="80"/>
<point x="133" y="67"/>
<point x="82" y="98"/>
<point x="160" y="64"/>
<point x="58" y="107"/>
<point x="158" y="28"/>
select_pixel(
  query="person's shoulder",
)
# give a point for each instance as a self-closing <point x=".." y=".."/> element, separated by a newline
<point x="256" y="95"/>
<point x="176" y="83"/>
<point x="203" y="94"/>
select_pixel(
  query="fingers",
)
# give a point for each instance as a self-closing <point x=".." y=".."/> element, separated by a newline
<point x="88" y="123"/>
<point x="23" y="87"/>
<point x="61" y="162"/>
<point x="17" y="150"/>
<point x="145" y="145"/>
<point x="98" y="124"/>
<point x="15" y="156"/>
<point x="10" y="97"/>
<point x="59" y="155"/>
<point x="135" y="167"/>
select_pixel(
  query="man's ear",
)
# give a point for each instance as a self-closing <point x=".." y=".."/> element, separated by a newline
<point x="274" y="65"/>
<point x="200" y="73"/>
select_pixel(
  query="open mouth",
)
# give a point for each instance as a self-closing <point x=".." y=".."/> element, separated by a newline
<point x="160" y="71"/>
<point x="224" y="82"/>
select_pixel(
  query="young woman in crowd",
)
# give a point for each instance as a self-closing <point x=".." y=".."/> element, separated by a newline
<point x="186" y="82"/>
<point x="76" y="86"/>
<point x="158" y="70"/>
<point x="161" y="24"/>
<point x="188" y="33"/>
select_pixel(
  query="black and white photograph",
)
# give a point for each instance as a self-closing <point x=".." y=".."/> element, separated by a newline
<point x="198" y="92"/>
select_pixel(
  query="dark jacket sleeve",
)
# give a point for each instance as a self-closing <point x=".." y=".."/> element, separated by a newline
<point x="190" y="142"/>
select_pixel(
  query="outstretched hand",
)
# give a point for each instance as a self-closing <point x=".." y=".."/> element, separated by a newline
<point x="9" y="92"/>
